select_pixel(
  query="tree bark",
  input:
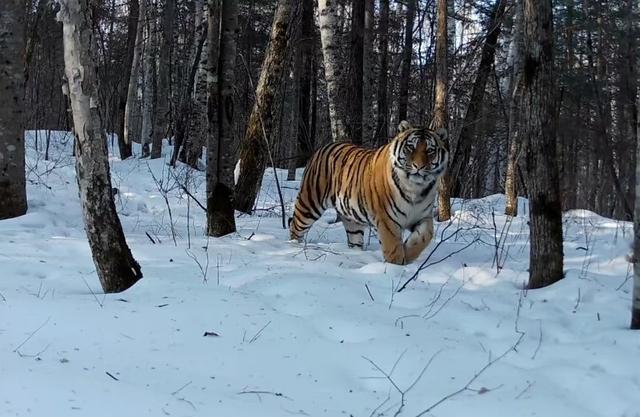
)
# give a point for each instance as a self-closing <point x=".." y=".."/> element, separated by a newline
<point x="254" y="146"/>
<point x="635" y="303"/>
<point x="115" y="265"/>
<point x="538" y="130"/>
<point x="132" y="28"/>
<point x="13" y="193"/>
<point x="356" y="63"/>
<point x="149" y="64"/>
<point x="382" y="125"/>
<point x="220" y="157"/>
<point x="440" y="118"/>
<point x="333" y="68"/>
<point x="131" y="132"/>
<point x="163" y="111"/>
<point x="368" y="75"/>
<point x="514" y="56"/>
<point x="407" y="54"/>
<point x="462" y="153"/>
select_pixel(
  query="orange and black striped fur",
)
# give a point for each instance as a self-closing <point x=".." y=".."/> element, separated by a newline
<point x="391" y="188"/>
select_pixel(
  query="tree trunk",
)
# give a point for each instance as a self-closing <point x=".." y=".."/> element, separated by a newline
<point x="220" y="144"/>
<point x="163" y="111"/>
<point x="132" y="28"/>
<point x="356" y="63"/>
<point x="303" y="74"/>
<point x="131" y="132"/>
<point x="13" y="193"/>
<point x="440" y="118"/>
<point x="115" y="265"/>
<point x="368" y="75"/>
<point x="407" y="54"/>
<point x="181" y="145"/>
<point x="635" y="306"/>
<point x="333" y="68"/>
<point x="539" y="130"/>
<point x="254" y="145"/>
<point x="382" y="126"/>
<point x="514" y="56"/>
<point x="147" y="83"/>
<point x="462" y="153"/>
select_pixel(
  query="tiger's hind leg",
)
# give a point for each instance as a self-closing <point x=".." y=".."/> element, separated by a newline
<point x="355" y="233"/>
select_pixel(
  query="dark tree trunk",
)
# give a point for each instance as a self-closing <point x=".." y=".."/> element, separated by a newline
<point x="115" y="265"/>
<point x="382" y="127"/>
<point x="163" y="111"/>
<point x="462" y="154"/>
<point x="13" y="193"/>
<point x="539" y="132"/>
<point x="407" y="54"/>
<point x="356" y="71"/>
<point x="254" y="147"/>
<point x="220" y="143"/>
<point x="440" y="118"/>
<point x="304" y="75"/>
<point x="635" y="304"/>
<point x="132" y="31"/>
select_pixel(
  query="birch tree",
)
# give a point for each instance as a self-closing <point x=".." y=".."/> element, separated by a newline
<point x="334" y="69"/>
<point x="13" y="194"/>
<point x="115" y="265"/>
<point x="149" y="66"/>
<point x="538" y="130"/>
<point x="161" y="124"/>
<point x="254" y="146"/>
<point x="220" y="162"/>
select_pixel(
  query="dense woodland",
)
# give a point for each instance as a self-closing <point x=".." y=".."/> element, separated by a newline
<point x="539" y="97"/>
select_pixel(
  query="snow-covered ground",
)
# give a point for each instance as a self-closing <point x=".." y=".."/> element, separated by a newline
<point x="254" y="325"/>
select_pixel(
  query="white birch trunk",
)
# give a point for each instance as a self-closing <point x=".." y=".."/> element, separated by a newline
<point x="115" y="266"/>
<point x="333" y="67"/>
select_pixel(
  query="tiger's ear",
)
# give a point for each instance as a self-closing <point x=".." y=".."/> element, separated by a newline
<point x="404" y="125"/>
<point x="442" y="133"/>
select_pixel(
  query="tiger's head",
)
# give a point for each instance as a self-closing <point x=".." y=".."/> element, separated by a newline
<point x="421" y="154"/>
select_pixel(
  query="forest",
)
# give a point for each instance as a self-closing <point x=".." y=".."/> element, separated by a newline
<point x="177" y="177"/>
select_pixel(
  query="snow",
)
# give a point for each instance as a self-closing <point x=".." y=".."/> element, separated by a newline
<point x="303" y="329"/>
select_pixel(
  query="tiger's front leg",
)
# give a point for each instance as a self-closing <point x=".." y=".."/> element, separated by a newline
<point x="391" y="240"/>
<point x="419" y="238"/>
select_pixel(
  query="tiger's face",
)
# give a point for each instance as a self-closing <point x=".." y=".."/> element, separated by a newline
<point x="421" y="154"/>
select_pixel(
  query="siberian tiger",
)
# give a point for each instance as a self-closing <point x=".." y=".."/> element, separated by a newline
<point x="391" y="188"/>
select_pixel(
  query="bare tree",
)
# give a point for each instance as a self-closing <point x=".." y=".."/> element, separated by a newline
<point x="333" y="67"/>
<point x="440" y="117"/>
<point x="382" y="125"/>
<point x="539" y="132"/>
<point x="132" y="28"/>
<point x="635" y="306"/>
<point x="149" y="65"/>
<point x="407" y="55"/>
<point x="160" y="127"/>
<point x="515" y="63"/>
<point x="254" y="146"/>
<point x="13" y="194"/>
<point x="131" y="133"/>
<point x="220" y="161"/>
<point x="368" y="74"/>
<point x="115" y="265"/>
<point x="356" y="63"/>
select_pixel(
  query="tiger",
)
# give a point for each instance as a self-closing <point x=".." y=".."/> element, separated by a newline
<point x="391" y="188"/>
